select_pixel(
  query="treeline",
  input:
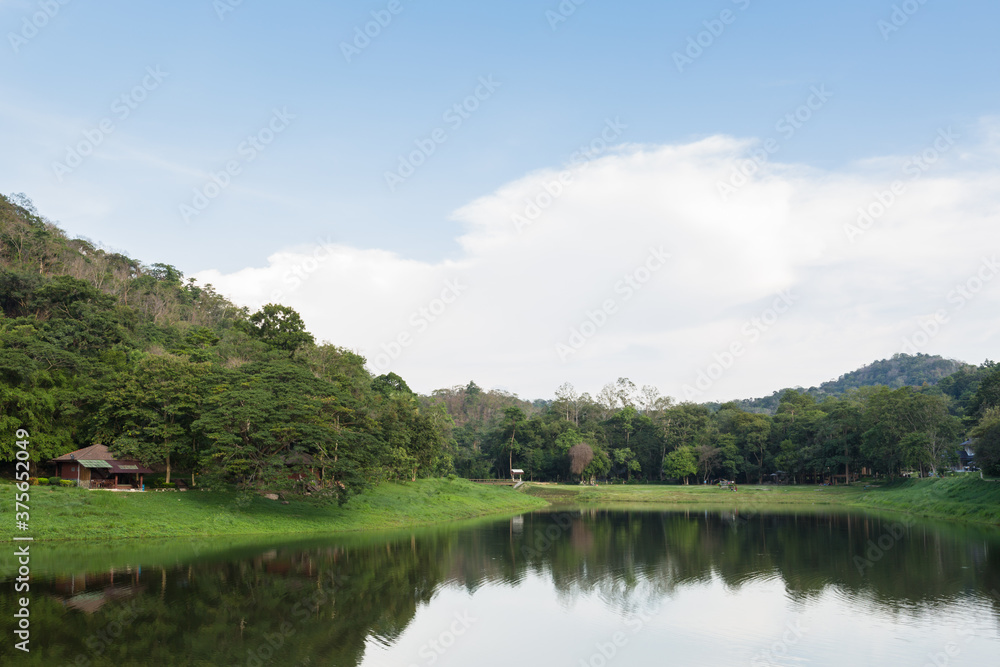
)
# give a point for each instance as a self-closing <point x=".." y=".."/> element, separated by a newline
<point x="98" y="347"/>
<point x="630" y="434"/>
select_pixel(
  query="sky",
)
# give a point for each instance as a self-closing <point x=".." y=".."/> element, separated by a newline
<point x="719" y="199"/>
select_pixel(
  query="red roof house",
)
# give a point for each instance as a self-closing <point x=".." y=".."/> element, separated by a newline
<point x="95" y="467"/>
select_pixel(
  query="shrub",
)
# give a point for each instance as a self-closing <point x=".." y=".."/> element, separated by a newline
<point x="34" y="481"/>
<point x="54" y="481"/>
<point x="67" y="482"/>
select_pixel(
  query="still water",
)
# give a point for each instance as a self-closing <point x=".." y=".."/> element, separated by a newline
<point x="591" y="587"/>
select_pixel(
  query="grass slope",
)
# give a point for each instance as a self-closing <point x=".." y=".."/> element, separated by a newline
<point x="698" y="494"/>
<point x="75" y="514"/>
<point x="964" y="498"/>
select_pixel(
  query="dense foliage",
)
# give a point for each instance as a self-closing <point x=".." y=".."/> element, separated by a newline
<point x="631" y="434"/>
<point x="98" y="347"/>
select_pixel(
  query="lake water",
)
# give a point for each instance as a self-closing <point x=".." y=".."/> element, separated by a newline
<point x="629" y="587"/>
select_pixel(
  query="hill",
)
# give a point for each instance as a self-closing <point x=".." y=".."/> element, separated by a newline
<point x="902" y="370"/>
<point x="96" y="346"/>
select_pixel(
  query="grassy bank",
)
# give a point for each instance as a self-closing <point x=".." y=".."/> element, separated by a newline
<point x="965" y="498"/>
<point x="957" y="498"/>
<point x="697" y="494"/>
<point x="75" y="514"/>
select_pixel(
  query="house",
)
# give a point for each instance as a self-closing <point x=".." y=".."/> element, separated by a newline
<point x="965" y="457"/>
<point x="95" y="467"/>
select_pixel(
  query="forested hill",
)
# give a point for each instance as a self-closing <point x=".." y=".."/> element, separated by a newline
<point x="902" y="370"/>
<point x="98" y="347"/>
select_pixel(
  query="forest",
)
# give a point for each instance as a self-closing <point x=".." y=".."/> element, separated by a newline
<point x="96" y="346"/>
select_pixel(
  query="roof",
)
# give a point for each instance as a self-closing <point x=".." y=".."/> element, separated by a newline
<point x="517" y="471"/>
<point x="128" y="468"/>
<point x="92" y="453"/>
<point x="99" y="456"/>
<point x="96" y="463"/>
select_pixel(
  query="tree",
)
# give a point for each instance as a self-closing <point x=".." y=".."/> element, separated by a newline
<point x="512" y="416"/>
<point x="566" y="402"/>
<point x="626" y="459"/>
<point x="988" y="394"/>
<point x="709" y="458"/>
<point x="279" y="327"/>
<point x="389" y="383"/>
<point x="580" y="456"/>
<point x="753" y="431"/>
<point x="680" y="464"/>
<point x="986" y="441"/>
<point x="148" y="414"/>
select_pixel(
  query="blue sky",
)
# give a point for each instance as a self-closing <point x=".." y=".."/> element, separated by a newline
<point x="873" y="84"/>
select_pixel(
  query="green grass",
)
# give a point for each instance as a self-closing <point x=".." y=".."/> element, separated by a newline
<point x="965" y="498"/>
<point x="696" y="494"/>
<point x="76" y="514"/>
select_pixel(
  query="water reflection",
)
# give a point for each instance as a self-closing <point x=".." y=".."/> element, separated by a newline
<point x="563" y="587"/>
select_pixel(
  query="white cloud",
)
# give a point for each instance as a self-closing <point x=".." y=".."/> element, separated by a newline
<point x="522" y="291"/>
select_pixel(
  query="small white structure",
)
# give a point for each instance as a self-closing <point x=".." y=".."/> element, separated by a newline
<point x="516" y="474"/>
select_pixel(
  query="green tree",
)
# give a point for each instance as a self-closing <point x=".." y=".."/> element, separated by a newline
<point x="279" y="327"/>
<point x="681" y="463"/>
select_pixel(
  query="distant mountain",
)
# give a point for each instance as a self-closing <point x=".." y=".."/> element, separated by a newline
<point x="901" y="370"/>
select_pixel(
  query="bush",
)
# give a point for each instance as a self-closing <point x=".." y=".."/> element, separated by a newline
<point x="54" y="481"/>
<point x="164" y="485"/>
<point x="67" y="482"/>
<point x="34" y="481"/>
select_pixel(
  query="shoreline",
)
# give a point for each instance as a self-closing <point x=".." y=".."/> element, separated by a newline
<point x="68" y="515"/>
<point x="61" y="515"/>
<point x="954" y="499"/>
